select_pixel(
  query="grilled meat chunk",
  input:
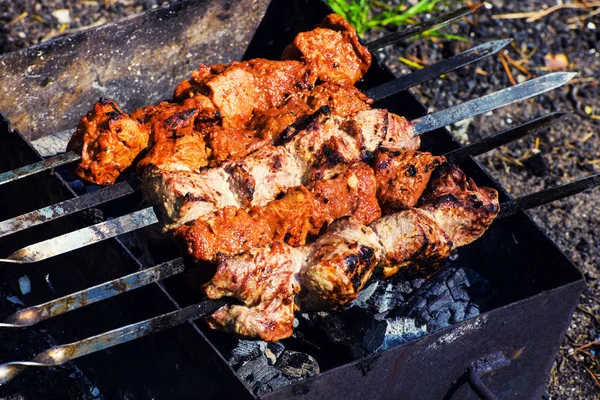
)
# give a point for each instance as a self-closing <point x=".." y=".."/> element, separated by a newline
<point x="462" y="209"/>
<point x="301" y="212"/>
<point x="266" y="281"/>
<point x="260" y="177"/>
<point x="333" y="49"/>
<point x="240" y="89"/>
<point x="109" y="141"/>
<point x="185" y="153"/>
<point x="411" y="238"/>
<point x="341" y="261"/>
<point x="402" y="176"/>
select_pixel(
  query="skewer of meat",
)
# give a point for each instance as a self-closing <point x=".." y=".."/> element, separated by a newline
<point x="260" y="177"/>
<point x="222" y="99"/>
<point x="274" y="281"/>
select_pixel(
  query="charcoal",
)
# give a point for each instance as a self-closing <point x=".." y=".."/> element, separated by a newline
<point x="451" y="295"/>
<point x="276" y="348"/>
<point x="272" y="385"/>
<point x="244" y="351"/>
<point x="259" y="376"/>
<point x="296" y="365"/>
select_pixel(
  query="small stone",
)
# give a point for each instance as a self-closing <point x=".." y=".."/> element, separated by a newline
<point x="63" y="16"/>
<point x="591" y="25"/>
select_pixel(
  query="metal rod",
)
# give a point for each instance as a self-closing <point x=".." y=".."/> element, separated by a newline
<point x="64" y="208"/>
<point x="39" y="166"/>
<point x="548" y="195"/>
<point x="501" y="98"/>
<point x="437" y="22"/>
<point x="83" y="237"/>
<point x="433" y="71"/>
<point x="61" y="354"/>
<point x="501" y="138"/>
<point x="32" y="315"/>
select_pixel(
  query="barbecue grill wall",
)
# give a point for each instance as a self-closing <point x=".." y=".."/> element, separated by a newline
<point x="537" y="287"/>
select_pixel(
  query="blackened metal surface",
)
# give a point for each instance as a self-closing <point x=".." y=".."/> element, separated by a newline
<point x="435" y="367"/>
<point x="138" y="61"/>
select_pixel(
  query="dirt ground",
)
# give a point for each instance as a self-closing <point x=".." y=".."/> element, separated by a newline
<point x="568" y="151"/>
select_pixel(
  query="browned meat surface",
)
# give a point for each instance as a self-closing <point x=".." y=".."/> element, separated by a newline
<point x="260" y="177"/>
<point x="340" y="262"/>
<point x="301" y="212"/>
<point x="463" y="210"/>
<point x="240" y="89"/>
<point x="402" y="176"/>
<point x="185" y="153"/>
<point x="333" y="49"/>
<point x="411" y="238"/>
<point x="108" y="141"/>
<point x="265" y="280"/>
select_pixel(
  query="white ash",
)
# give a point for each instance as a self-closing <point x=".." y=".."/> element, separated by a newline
<point x="24" y="284"/>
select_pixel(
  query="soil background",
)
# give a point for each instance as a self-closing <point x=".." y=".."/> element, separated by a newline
<point x="569" y="150"/>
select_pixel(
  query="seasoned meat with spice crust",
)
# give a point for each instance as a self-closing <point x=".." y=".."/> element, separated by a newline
<point x="266" y="281"/>
<point x="462" y="209"/>
<point x="411" y="238"/>
<point x="302" y="211"/>
<point x="108" y="141"/>
<point x="260" y="177"/>
<point x="402" y="176"/>
<point x="333" y="49"/>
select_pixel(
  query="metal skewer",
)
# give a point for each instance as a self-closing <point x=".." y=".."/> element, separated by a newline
<point x="434" y="70"/>
<point x="64" y="208"/>
<point x="438" y="22"/>
<point x="60" y="354"/>
<point x="549" y="195"/>
<point x="105" y="230"/>
<point x="501" y="138"/>
<point x="40" y="166"/>
<point x="32" y="315"/>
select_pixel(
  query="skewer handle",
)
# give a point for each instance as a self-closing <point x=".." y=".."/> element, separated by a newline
<point x="61" y="354"/>
<point x="40" y="166"/>
<point x="549" y="195"/>
<point x="438" y="22"/>
<point x="32" y="315"/>
<point x="491" y="142"/>
<point x="83" y="237"/>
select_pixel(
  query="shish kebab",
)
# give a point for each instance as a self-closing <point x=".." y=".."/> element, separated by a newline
<point x="274" y="281"/>
<point x="346" y="34"/>
<point x="61" y="354"/>
<point x="265" y="171"/>
<point x="32" y="315"/>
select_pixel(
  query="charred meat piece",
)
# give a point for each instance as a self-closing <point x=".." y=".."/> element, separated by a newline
<point x="411" y="238"/>
<point x="402" y="176"/>
<point x="339" y="264"/>
<point x="333" y="49"/>
<point x="462" y="209"/>
<point x="185" y="153"/>
<point x="260" y="177"/>
<point x="266" y="281"/>
<point x="240" y="89"/>
<point x="302" y="211"/>
<point x="109" y="141"/>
